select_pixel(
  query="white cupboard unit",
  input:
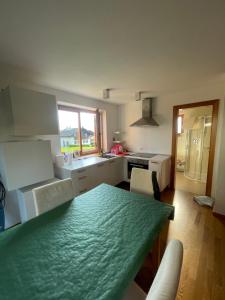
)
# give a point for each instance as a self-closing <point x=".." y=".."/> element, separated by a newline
<point x="83" y="180"/>
<point x="25" y="163"/>
<point x="102" y="173"/>
<point x="161" y="164"/>
<point x="25" y="112"/>
<point x="108" y="171"/>
<point x="115" y="171"/>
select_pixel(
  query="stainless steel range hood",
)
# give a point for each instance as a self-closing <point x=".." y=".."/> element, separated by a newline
<point x="147" y="119"/>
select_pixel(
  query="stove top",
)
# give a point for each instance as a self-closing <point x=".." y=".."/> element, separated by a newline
<point x="144" y="155"/>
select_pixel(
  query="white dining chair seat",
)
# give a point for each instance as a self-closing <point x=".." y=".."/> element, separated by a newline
<point x="166" y="281"/>
<point x="52" y="195"/>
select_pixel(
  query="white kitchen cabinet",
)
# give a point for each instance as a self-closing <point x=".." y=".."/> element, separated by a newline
<point x="85" y="178"/>
<point x="27" y="113"/>
<point x="25" y="163"/>
<point x="101" y="173"/>
<point x="161" y="164"/>
<point x="82" y="180"/>
<point x="115" y="174"/>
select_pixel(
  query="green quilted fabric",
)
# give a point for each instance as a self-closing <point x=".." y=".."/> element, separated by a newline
<point x="90" y="248"/>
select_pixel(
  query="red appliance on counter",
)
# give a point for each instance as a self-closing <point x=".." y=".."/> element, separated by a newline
<point x="117" y="149"/>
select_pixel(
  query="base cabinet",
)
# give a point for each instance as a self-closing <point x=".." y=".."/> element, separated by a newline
<point x="115" y="171"/>
<point x="110" y="172"/>
<point x="101" y="173"/>
<point x="82" y="180"/>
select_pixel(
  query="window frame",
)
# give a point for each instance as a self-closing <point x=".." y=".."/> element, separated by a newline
<point x="97" y="126"/>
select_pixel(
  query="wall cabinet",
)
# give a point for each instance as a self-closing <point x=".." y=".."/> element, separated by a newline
<point x="27" y="113"/>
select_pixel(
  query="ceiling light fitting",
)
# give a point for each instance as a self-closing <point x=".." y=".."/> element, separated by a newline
<point x="106" y="93"/>
<point x="138" y="96"/>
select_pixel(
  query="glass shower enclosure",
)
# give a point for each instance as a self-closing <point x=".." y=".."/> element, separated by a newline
<point x="197" y="149"/>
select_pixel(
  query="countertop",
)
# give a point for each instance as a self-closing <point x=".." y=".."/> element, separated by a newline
<point x="155" y="158"/>
<point x="86" y="162"/>
<point x="95" y="160"/>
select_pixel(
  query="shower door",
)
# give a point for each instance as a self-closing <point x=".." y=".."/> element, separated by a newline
<point x="193" y="154"/>
<point x="197" y="151"/>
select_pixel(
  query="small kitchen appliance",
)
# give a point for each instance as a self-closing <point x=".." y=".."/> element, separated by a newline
<point x="117" y="149"/>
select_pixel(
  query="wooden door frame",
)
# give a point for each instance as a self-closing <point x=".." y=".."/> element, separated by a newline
<point x="215" y="105"/>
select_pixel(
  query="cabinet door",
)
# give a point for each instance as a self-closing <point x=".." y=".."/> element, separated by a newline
<point x="82" y="180"/>
<point x="116" y="171"/>
<point x="25" y="163"/>
<point x="101" y="173"/>
<point x="32" y="113"/>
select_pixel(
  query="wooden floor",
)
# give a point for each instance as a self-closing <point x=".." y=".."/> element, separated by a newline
<point x="203" y="237"/>
<point x="185" y="184"/>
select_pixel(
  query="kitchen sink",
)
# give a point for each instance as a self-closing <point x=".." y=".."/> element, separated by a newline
<point x="106" y="156"/>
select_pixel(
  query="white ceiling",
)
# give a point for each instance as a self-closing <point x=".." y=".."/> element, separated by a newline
<point x="86" y="46"/>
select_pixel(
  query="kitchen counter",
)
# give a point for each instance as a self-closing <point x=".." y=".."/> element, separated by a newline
<point x="88" y="172"/>
<point x="86" y="162"/>
<point x="155" y="157"/>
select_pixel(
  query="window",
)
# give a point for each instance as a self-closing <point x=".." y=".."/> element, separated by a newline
<point x="180" y="124"/>
<point x="79" y="130"/>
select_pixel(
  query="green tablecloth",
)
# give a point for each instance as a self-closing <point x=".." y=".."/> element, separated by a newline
<point x="89" y="248"/>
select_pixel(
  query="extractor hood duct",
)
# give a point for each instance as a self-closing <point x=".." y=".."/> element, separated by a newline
<point x="147" y="119"/>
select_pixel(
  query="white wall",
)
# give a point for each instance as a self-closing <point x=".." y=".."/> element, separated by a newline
<point x="159" y="139"/>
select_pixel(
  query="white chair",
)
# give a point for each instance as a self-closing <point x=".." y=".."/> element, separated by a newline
<point x="52" y="195"/>
<point x="165" y="284"/>
<point x="141" y="181"/>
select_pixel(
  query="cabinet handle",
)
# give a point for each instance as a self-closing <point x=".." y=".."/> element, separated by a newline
<point x="154" y="162"/>
<point x="81" y="171"/>
<point x="82" y="177"/>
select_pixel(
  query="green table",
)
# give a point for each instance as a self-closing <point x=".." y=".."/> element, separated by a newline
<point x="89" y="248"/>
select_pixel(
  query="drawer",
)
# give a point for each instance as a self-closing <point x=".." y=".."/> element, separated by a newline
<point x="81" y="172"/>
<point x="82" y="180"/>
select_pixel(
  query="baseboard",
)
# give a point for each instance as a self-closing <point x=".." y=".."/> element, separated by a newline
<point x="218" y="215"/>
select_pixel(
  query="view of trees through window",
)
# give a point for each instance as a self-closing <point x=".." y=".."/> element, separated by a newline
<point x="77" y="130"/>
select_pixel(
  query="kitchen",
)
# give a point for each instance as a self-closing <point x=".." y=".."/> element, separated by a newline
<point x="86" y="171"/>
<point x="89" y="94"/>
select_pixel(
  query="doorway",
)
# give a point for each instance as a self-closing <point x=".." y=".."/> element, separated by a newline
<point x="193" y="146"/>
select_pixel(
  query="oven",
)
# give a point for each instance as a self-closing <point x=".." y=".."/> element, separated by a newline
<point x="136" y="163"/>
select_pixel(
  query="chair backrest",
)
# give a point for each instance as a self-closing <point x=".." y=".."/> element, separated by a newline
<point x="165" y="284"/>
<point x="141" y="181"/>
<point x="53" y="194"/>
